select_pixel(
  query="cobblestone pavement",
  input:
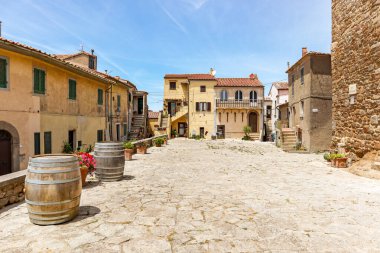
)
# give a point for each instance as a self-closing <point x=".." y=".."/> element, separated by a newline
<point x="213" y="196"/>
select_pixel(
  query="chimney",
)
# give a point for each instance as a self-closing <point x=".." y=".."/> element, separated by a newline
<point x="212" y="71"/>
<point x="304" y="51"/>
<point x="288" y="65"/>
<point x="252" y="76"/>
<point x="92" y="51"/>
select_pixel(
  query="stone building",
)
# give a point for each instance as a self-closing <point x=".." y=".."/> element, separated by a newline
<point x="310" y="100"/>
<point x="356" y="75"/>
<point x="201" y="104"/>
<point x="47" y="100"/>
<point x="279" y="94"/>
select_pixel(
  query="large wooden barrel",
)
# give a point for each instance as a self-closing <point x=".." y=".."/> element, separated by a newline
<point x="110" y="161"/>
<point x="53" y="188"/>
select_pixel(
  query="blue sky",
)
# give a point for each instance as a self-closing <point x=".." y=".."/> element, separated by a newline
<point x="145" y="39"/>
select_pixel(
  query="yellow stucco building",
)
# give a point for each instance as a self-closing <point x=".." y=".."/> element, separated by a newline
<point x="47" y="100"/>
<point x="201" y="104"/>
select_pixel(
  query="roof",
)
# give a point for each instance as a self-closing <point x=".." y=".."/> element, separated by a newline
<point x="153" y="115"/>
<point x="28" y="50"/>
<point x="238" y="82"/>
<point x="68" y="56"/>
<point x="281" y="85"/>
<point x="311" y="53"/>
<point x="191" y="76"/>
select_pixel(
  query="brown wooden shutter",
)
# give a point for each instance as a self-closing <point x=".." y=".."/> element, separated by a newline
<point x="197" y="106"/>
<point x="209" y="106"/>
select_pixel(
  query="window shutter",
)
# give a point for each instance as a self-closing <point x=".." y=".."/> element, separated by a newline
<point x="42" y="73"/>
<point x="197" y="106"/>
<point x="36" y="78"/>
<point x="47" y="142"/>
<point x="3" y="73"/>
<point x="37" y="144"/>
<point x="209" y="106"/>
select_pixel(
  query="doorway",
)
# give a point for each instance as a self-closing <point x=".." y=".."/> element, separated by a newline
<point x="140" y="105"/>
<point x="182" y="127"/>
<point x="221" y="131"/>
<point x="172" y="108"/>
<point x="202" y="132"/>
<point x="118" y="132"/>
<point x="5" y="152"/>
<point x="72" y="139"/>
<point x="253" y="122"/>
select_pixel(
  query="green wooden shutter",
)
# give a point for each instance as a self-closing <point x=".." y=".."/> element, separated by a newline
<point x="3" y="73"/>
<point x="37" y="144"/>
<point x="118" y="101"/>
<point x="47" y="142"/>
<point x="100" y="96"/>
<point x="100" y="135"/>
<point x="42" y="84"/>
<point x="72" y="89"/>
<point x="36" y="79"/>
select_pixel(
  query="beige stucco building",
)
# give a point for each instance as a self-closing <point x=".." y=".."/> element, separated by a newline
<point x="201" y="104"/>
<point x="47" y="100"/>
<point x="310" y="102"/>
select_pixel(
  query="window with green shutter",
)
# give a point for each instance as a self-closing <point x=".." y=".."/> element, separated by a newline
<point x="72" y="89"/>
<point x="47" y="142"/>
<point x="37" y="144"/>
<point x="3" y="73"/>
<point x="100" y="97"/>
<point x="125" y="130"/>
<point x="118" y="101"/>
<point x="99" y="136"/>
<point x="39" y="81"/>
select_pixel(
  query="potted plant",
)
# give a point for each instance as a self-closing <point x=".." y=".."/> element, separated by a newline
<point x="332" y="159"/>
<point x="158" y="142"/>
<point x="174" y="133"/>
<point x="327" y="157"/>
<point x="67" y="149"/>
<point x="165" y="141"/>
<point x="341" y="161"/>
<point x="87" y="165"/>
<point x="128" y="150"/>
<point x="246" y="130"/>
<point x="141" y="148"/>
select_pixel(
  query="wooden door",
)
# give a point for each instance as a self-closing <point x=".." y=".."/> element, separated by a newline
<point x="221" y="132"/>
<point x="140" y="105"/>
<point x="253" y="122"/>
<point x="5" y="152"/>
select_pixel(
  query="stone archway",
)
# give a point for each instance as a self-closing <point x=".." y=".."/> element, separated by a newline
<point x="14" y="139"/>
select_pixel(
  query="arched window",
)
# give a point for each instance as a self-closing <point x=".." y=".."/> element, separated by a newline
<point x="223" y="95"/>
<point x="253" y="96"/>
<point x="238" y="95"/>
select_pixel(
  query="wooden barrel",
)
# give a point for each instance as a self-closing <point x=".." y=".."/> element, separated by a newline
<point x="110" y="161"/>
<point x="53" y="188"/>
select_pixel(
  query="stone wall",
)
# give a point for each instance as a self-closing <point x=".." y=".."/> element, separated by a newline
<point x="12" y="188"/>
<point x="356" y="62"/>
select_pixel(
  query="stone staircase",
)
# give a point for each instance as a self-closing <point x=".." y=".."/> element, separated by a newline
<point x="137" y="124"/>
<point x="254" y="136"/>
<point x="181" y="112"/>
<point x="289" y="139"/>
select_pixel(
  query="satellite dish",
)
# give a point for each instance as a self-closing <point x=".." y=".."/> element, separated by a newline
<point x="212" y="71"/>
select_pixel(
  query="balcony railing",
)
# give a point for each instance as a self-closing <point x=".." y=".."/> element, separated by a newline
<point x="244" y="103"/>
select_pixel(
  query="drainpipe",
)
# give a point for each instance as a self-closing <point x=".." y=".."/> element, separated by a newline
<point x="188" y="110"/>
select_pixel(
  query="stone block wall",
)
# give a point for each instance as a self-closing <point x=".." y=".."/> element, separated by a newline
<point x="12" y="188"/>
<point x="356" y="62"/>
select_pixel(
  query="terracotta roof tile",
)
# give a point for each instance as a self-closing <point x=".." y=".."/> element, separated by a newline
<point x="281" y="85"/>
<point x="153" y="115"/>
<point x="311" y="53"/>
<point x="238" y="82"/>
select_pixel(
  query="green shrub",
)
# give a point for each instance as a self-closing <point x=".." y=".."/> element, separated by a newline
<point x="246" y="138"/>
<point x="128" y="145"/>
<point x="67" y="149"/>
<point x="247" y="130"/>
<point x="327" y="157"/>
<point x="340" y="156"/>
<point x="158" y="141"/>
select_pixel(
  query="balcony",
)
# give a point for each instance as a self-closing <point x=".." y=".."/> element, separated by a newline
<point x="239" y="104"/>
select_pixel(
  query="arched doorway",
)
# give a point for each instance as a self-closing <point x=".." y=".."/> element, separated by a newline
<point x="253" y="122"/>
<point x="9" y="148"/>
<point x="5" y="152"/>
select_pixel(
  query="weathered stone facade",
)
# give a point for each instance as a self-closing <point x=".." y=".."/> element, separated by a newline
<point x="12" y="188"/>
<point x="356" y="64"/>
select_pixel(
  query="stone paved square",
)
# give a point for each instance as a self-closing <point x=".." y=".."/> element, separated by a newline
<point x="213" y="196"/>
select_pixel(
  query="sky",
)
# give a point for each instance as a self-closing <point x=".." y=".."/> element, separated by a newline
<point x="144" y="40"/>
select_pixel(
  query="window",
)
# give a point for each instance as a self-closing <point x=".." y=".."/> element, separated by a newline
<point x="125" y="129"/>
<point x="302" y="75"/>
<point x="238" y="95"/>
<point x="72" y="89"/>
<point x="47" y="143"/>
<point x="227" y="116"/>
<point x="253" y="96"/>
<point x="220" y="117"/>
<point x="3" y="73"/>
<point x="203" y="88"/>
<point x="203" y="106"/>
<point x="129" y="97"/>
<point x="99" y="137"/>
<point x="118" y="102"/>
<point x="91" y="62"/>
<point x="202" y="132"/>
<point x="293" y="85"/>
<point x="100" y="97"/>
<point x="223" y="95"/>
<point x="242" y="117"/>
<point x="235" y="116"/>
<point x="39" y="81"/>
<point x="301" y="109"/>
<point x="173" y="85"/>
<point x="37" y="143"/>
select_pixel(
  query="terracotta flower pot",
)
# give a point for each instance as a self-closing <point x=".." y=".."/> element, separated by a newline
<point x="158" y="145"/>
<point x="332" y="162"/>
<point x="83" y="173"/>
<point x="128" y="154"/>
<point x="141" y="150"/>
<point x="341" y="162"/>
<point x="166" y="142"/>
